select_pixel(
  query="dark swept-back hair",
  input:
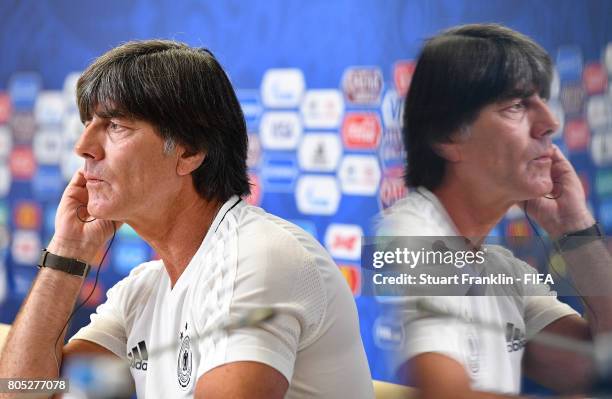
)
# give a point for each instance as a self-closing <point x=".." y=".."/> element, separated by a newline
<point x="185" y="94"/>
<point x="458" y="72"/>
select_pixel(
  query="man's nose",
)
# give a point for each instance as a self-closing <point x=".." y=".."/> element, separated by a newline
<point x="88" y="145"/>
<point x="546" y="122"/>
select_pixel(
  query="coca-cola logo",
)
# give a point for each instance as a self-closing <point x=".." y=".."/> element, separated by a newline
<point x="361" y="131"/>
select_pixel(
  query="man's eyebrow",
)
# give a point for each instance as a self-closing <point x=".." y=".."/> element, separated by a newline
<point x="105" y="115"/>
<point x="518" y="94"/>
<point x="109" y="113"/>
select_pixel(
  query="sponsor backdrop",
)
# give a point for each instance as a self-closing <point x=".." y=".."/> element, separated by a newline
<point x="322" y="85"/>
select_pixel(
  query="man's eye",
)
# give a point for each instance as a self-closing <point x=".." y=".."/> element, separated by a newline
<point x="518" y="106"/>
<point x="114" y="127"/>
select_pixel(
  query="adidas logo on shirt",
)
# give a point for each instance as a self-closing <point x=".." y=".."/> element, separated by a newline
<point x="139" y="356"/>
<point x="515" y="338"/>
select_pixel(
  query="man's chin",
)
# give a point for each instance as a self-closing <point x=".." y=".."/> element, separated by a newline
<point x="99" y="211"/>
<point x="545" y="188"/>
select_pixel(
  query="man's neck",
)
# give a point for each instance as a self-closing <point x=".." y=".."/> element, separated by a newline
<point x="474" y="211"/>
<point x="177" y="232"/>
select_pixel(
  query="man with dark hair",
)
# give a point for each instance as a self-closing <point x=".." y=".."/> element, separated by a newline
<point x="461" y="71"/>
<point x="165" y="149"/>
<point x="477" y="131"/>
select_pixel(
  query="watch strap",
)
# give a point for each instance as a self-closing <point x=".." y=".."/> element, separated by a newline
<point x="579" y="238"/>
<point x="67" y="265"/>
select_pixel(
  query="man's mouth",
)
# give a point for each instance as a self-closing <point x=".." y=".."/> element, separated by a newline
<point x="92" y="179"/>
<point x="545" y="157"/>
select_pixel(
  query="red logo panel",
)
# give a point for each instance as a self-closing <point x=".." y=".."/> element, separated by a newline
<point x="361" y="131"/>
<point x="595" y="78"/>
<point x="402" y="76"/>
<point x="577" y="135"/>
<point x="5" y="107"/>
<point x="22" y="163"/>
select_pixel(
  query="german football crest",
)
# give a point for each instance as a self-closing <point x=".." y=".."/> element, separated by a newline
<point x="184" y="364"/>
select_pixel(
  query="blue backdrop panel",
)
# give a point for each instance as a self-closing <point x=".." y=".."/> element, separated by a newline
<point x="321" y="84"/>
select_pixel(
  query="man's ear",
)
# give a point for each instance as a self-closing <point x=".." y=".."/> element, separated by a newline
<point x="188" y="161"/>
<point x="449" y="150"/>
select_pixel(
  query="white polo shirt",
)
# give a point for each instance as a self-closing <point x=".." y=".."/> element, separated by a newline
<point x="248" y="259"/>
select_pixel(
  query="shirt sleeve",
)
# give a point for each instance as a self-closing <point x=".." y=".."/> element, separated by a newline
<point x="541" y="306"/>
<point x="108" y="326"/>
<point x="423" y="333"/>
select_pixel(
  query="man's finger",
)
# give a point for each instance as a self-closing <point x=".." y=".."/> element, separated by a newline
<point x="78" y="179"/>
<point x="77" y="189"/>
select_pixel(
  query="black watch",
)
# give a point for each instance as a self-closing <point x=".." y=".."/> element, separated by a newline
<point x="68" y="265"/>
<point x="579" y="238"/>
